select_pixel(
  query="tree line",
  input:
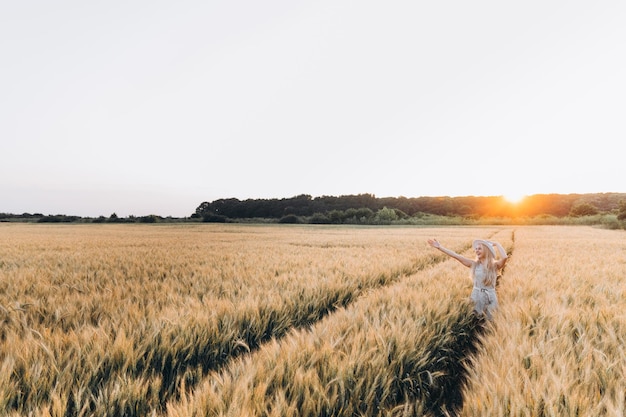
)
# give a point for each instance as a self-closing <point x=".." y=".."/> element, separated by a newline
<point x="64" y="218"/>
<point x="369" y="209"/>
<point x="364" y="208"/>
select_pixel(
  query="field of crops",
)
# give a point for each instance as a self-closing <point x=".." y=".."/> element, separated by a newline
<point x="300" y="320"/>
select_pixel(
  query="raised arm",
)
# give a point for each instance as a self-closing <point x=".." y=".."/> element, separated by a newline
<point x="503" y="256"/>
<point x="435" y="244"/>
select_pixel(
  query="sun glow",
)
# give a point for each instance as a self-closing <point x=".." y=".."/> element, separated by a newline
<point x="514" y="198"/>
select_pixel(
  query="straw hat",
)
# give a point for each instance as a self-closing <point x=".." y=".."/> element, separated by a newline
<point x="487" y="243"/>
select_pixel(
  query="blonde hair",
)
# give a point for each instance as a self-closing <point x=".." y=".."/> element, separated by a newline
<point x="491" y="274"/>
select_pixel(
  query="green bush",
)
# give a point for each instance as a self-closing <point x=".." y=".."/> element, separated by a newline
<point x="385" y="216"/>
<point x="152" y="218"/>
<point x="319" y="218"/>
<point x="621" y="214"/>
<point x="290" y="219"/>
<point x="214" y="218"/>
<point x="583" y="209"/>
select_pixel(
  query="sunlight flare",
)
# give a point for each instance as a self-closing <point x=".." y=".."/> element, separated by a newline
<point x="514" y="198"/>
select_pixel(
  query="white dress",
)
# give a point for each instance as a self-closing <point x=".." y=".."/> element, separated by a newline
<point x="484" y="297"/>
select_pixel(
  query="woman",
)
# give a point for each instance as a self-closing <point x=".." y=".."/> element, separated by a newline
<point x="483" y="272"/>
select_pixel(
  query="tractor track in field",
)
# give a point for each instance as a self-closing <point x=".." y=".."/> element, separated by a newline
<point x="446" y="399"/>
<point x="449" y="357"/>
<point x="171" y="366"/>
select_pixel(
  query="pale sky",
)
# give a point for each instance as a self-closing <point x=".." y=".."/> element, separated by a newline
<point x="152" y="107"/>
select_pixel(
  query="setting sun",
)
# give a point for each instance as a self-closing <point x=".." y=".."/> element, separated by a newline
<point x="514" y="198"/>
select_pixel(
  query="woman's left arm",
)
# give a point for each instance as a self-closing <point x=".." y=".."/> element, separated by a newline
<point x="503" y="256"/>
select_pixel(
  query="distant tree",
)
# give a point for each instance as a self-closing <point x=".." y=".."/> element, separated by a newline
<point x="202" y="209"/>
<point x="214" y="218"/>
<point x="400" y="214"/>
<point x="336" y="216"/>
<point x="58" y="218"/>
<point x="364" y="214"/>
<point x="583" y="209"/>
<point x="152" y="218"/>
<point x="621" y="214"/>
<point x="319" y="218"/>
<point x="350" y="215"/>
<point x="386" y="215"/>
<point x="290" y="219"/>
<point x="464" y="210"/>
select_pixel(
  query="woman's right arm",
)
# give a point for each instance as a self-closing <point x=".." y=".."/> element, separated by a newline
<point x="435" y="244"/>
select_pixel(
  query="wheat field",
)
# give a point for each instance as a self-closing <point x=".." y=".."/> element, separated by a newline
<point x="300" y="320"/>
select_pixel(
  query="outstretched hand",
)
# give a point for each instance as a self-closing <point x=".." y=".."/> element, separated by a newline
<point x="434" y="243"/>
